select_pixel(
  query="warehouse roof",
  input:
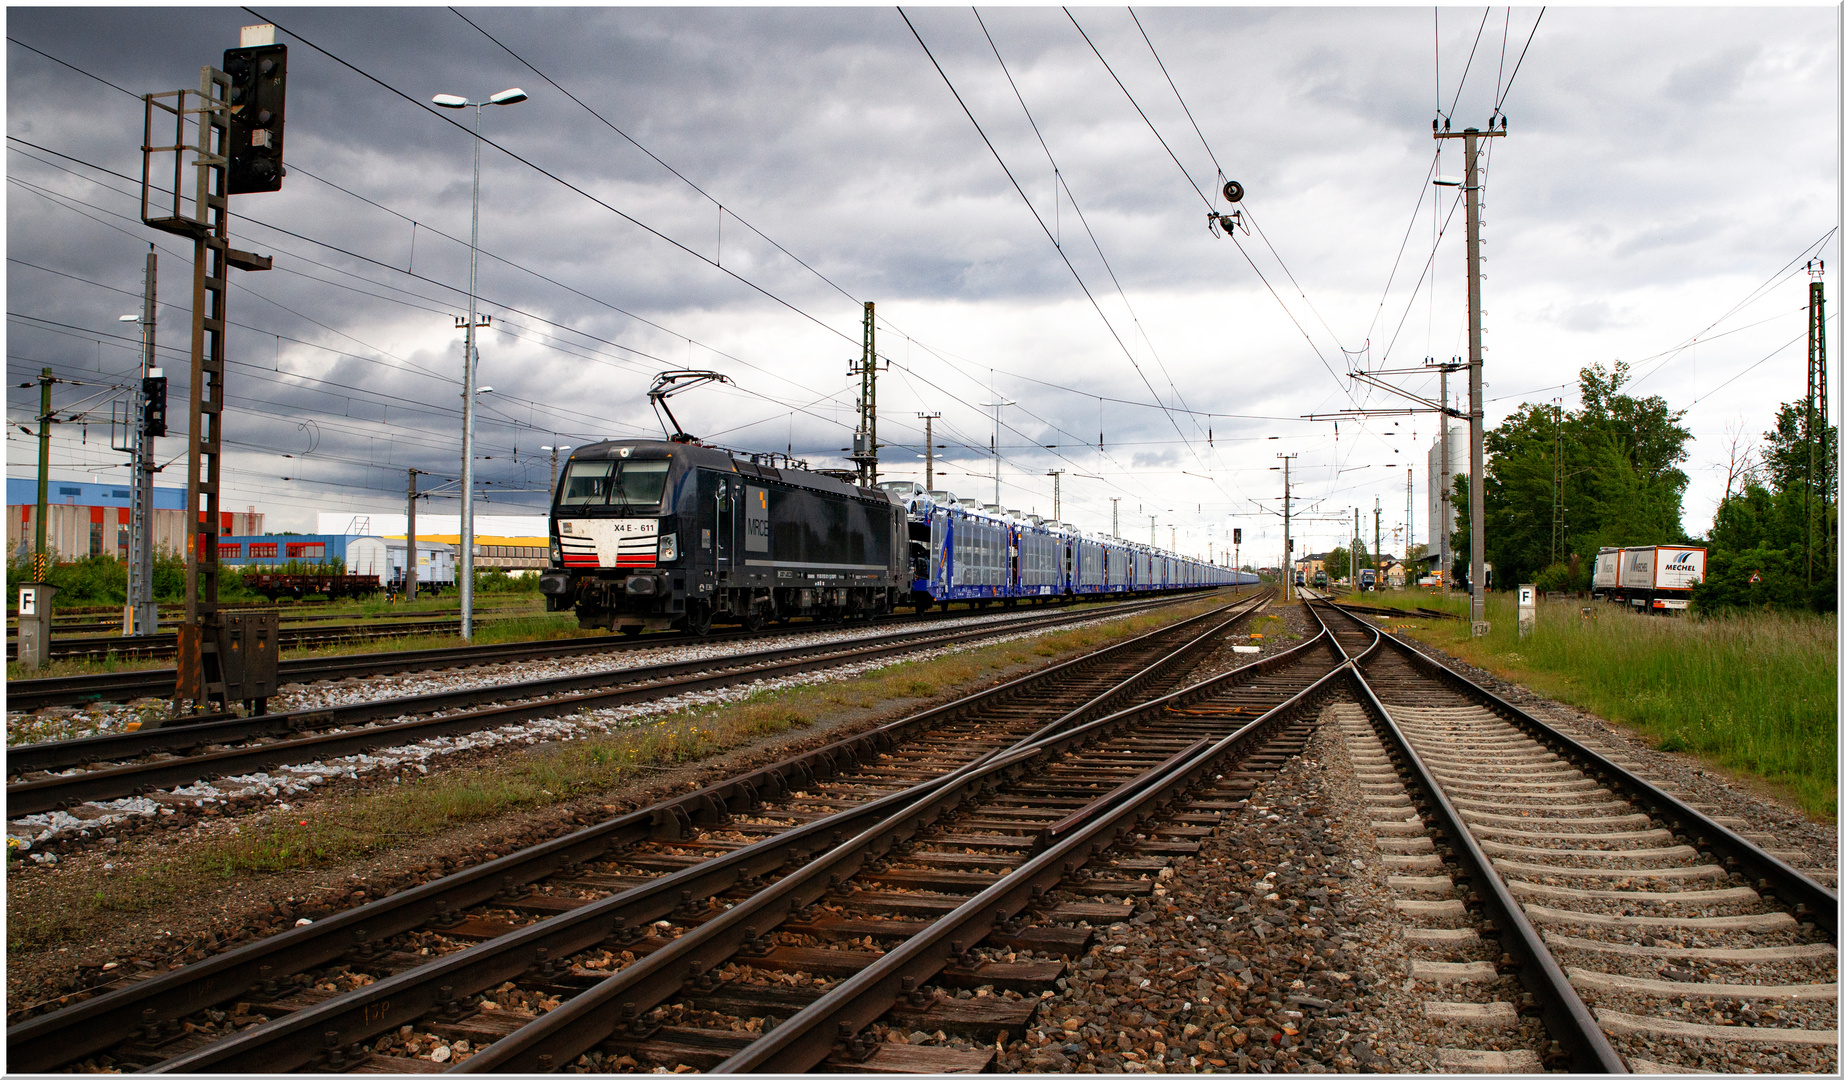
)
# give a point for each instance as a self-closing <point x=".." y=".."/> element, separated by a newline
<point x="23" y="491"/>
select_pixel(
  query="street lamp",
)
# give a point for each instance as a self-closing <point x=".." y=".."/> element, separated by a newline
<point x="555" y="450"/>
<point x="470" y="360"/>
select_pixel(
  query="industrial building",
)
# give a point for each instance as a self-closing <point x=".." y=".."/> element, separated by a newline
<point x="1441" y="526"/>
<point x="85" y="519"/>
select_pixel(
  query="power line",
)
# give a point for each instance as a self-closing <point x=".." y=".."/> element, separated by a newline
<point x="1755" y="294"/>
<point x="663" y="164"/>
<point x="1040" y="223"/>
<point x="1469" y="65"/>
<point x="503" y="306"/>
<point x="1058" y="172"/>
<point x="1136" y="108"/>
<point x="1520" y="61"/>
<point x="390" y="267"/>
<point x="1207" y="203"/>
<point x="549" y="175"/>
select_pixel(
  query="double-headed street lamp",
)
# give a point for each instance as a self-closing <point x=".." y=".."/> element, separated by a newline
<point x="471" y="360"/>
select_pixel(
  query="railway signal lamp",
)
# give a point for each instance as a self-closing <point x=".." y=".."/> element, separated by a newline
<point x="259" y="78"/>
<point x="153" y="394"/>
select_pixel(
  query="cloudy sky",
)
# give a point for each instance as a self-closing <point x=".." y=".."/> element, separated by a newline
<point x="723" y="188"/>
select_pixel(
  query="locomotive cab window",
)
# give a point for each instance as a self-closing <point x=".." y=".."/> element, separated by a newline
<point x="613" y="483"/>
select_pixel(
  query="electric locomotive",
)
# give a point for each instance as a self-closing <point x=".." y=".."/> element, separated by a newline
<point x="648" y="535"/>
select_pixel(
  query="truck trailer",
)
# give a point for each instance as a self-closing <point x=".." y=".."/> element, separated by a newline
<point x="1656" y="578"/>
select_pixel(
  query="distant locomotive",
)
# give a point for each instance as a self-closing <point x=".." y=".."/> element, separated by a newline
<point x="647" y="535"/>
<point x="656" y="534"/>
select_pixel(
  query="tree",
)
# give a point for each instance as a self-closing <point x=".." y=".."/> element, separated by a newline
<point x="1337" y="563"/>
<point x="1617" y="458"/>
<point x="1757" y="542"/>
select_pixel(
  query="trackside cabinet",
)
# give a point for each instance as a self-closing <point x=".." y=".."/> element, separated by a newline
<point x="248" y="652"/>
<point x="35" y="624"/>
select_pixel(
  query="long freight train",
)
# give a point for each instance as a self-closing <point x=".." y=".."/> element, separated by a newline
<point x="650" y="535"/>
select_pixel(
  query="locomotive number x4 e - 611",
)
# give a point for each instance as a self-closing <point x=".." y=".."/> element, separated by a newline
<point x="649" y="535"/>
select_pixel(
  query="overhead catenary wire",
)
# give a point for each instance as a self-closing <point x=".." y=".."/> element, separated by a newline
<point x="1179" y="412"/>
<point x="548" y="174"/>
<point x="1064" y="184"/>
<point x="1040" y="222"/>
<point x="1506" y="92"/>
<point x="1207" y="203"/>
<point x="1248" y="211"/>
<point x="387" y="266"/>
<point x="502" y="306"/>
<point x="663" y="164"/>
<point x="780" y="247"/>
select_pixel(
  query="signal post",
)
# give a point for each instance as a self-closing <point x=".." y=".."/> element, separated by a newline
<point x="236" y="117"/>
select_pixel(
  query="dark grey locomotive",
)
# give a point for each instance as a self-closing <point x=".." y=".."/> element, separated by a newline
<point x="650" y="535"/>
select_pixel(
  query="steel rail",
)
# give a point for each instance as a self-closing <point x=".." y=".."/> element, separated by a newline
<point x="807" y="1038"/>
<point x="585" y="1020"/>
<point x="30" y="694"/>
<point x="39" y="796"/>
<point x="125" y="746"/>
<point x="1808" y="899"/>
<point x="74" y="624"/>
<point x="1565" y="1016"/>
<point x="25" y="695"/>
<point x="79" y="1030"/>
<point x="299" y="1039"/>
<point x="288" y="637"/>
<point x="1418" y="613"/>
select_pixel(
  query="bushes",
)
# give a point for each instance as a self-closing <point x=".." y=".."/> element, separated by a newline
<point x="1555" y="578"/>
<point x="97" y="579"/>
<point x="496" y="580"/>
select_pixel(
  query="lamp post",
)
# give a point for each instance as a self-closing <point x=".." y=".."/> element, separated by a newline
<point x="470" y="360"/>
<point x="555" y="450"/>
<point x="140" y="612"/>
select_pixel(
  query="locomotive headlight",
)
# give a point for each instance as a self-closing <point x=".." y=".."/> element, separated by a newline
<point x="556" y="552"/>
<point x="668" y="547"/>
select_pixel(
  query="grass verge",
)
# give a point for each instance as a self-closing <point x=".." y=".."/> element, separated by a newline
<point x="330" y="831"/>
<point x="1754" y="693"/>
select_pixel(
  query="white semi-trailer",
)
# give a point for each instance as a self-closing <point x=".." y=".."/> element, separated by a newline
<point x="1656" y="578"/>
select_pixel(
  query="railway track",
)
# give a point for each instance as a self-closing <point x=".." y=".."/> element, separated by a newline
<point x="428" y="952"/>
<point x="155" y="646"/>
<point x="249" y="745"/>
<point x="1647" y="935"/>
<point x="27" y="695"/>
<point x="87" y="624"/>
<point x="1396" y="613"/>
